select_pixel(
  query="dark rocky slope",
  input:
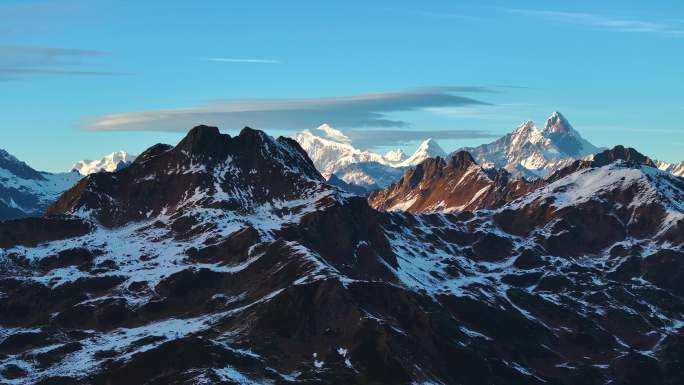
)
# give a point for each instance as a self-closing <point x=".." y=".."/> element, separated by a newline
<point x="229" y="260"/>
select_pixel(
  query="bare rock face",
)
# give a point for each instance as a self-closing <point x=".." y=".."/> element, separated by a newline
<point x="230" y="260"/>
<point x="456" y="184"/>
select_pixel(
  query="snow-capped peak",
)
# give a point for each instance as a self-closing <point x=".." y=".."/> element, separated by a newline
<point x="525" y="127"/>
<point x="332" y="152"/>
<point x="532" y="152"/>
<point x="427" y="149"/>
<point x="526" y="132"/>
<point x="328" y="132"/>
<point x="431" y="148"/>
<point x="558" y="124"/>
<point x="109" y="163"/>
<point x="395" y="155"/>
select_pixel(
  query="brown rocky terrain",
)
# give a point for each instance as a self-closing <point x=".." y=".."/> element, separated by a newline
<point x="454" y="184"/>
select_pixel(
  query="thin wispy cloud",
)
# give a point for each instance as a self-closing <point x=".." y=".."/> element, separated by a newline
<point x="238" y="60"/>
<point x="18" y="62"/>
<point x="43" y="56"/>
<point x="366" y="110"/>
<point x="607" y="22"/>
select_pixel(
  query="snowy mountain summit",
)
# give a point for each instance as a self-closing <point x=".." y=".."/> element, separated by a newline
<point x="109" y="163"/>
<point x="331" y="150"/>
<point x="428" y="149"/>
<point x="333" y="153"/>
<point x="532" y="152"/>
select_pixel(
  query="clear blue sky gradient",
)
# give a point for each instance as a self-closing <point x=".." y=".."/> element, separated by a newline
<point x="614" y="67"/>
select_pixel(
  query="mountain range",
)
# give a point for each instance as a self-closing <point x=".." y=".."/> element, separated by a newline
<point x="109" y="163"/>
<point x="531" y="152"/>
<point x="230" y="259"/>
<point x="25" y="192"/>
<point x="333" y="153"/>
<point x="527" y="152"/>
<point x="672" y="168"/>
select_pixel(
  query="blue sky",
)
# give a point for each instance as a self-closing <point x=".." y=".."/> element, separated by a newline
<point x="81" y="78"/>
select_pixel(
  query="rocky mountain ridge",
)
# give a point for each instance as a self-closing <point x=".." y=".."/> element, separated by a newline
<point x="249" y="268"/>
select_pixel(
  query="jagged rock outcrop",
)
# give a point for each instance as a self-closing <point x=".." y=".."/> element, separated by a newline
<point x="456" y="184"/>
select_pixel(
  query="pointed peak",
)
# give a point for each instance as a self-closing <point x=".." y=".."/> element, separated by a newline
<point x="525" y="131"/>
<point x="431" y="147"/>
<point x="462" y="159"/>
<point x="427" y="149"/>
<point x="556" y="115"/>
<point x="558" y="124"/>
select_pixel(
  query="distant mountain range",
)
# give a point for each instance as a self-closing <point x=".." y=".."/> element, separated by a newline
<point x="230" y="259"/>
<point x="460" y="184"/>
<point x="109" y="163"/>
<point x="527" y="152"/>
<point x="25" y="192"/>
<point x="533" y="153"/>
<point x="333" y="153"/>
<point x="672" y="168"/>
